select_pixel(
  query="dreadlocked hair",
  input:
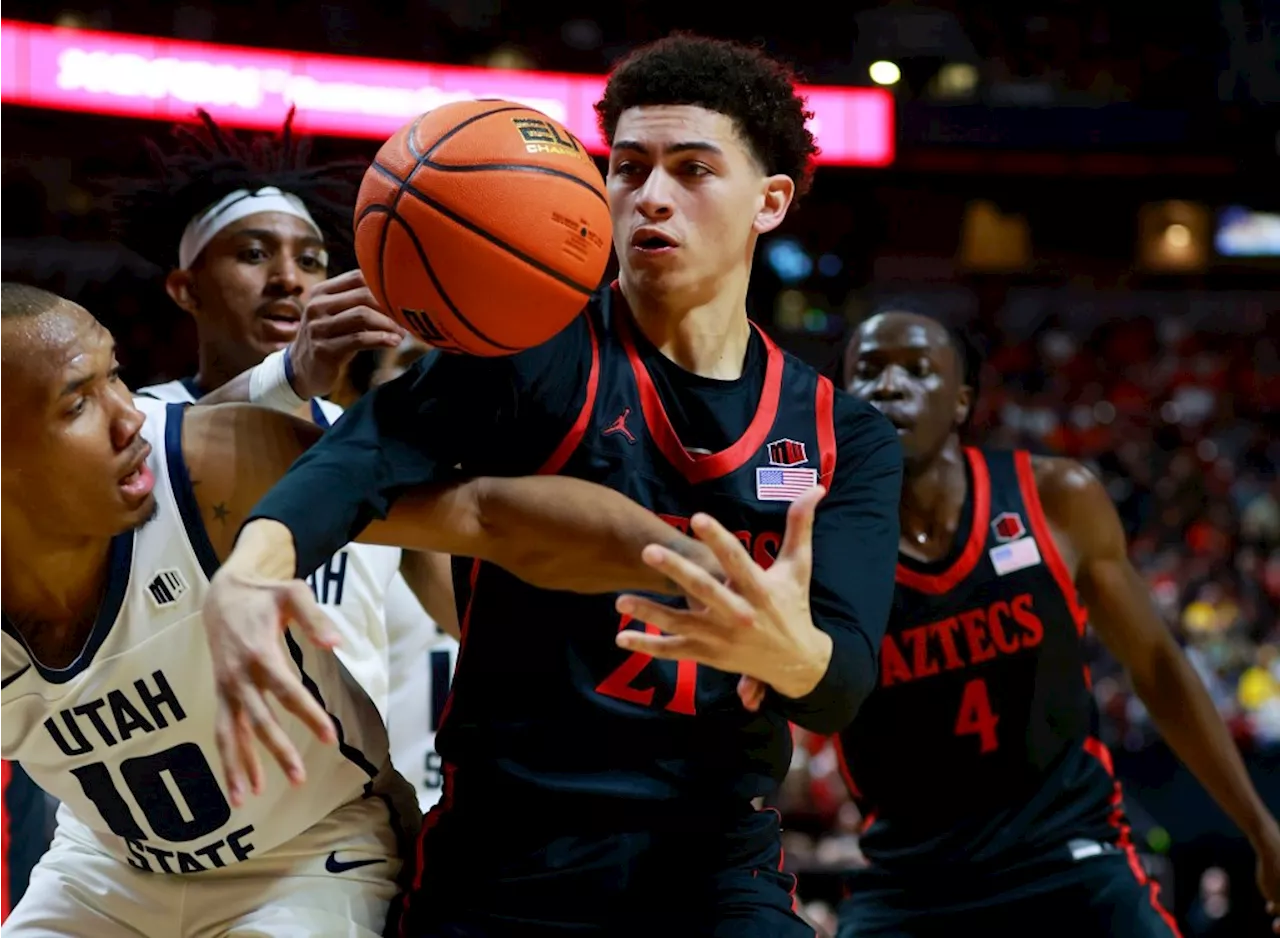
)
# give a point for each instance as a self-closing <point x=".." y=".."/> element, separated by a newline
<point x="207" y="163"/>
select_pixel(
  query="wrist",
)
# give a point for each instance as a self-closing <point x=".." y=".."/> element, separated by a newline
<point x="800" y="677"/>
<point x="272" y="383"/>
<point x="1265" y="835"/>
<point x="264" y="549"/>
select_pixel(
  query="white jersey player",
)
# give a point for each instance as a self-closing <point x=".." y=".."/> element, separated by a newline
<point x="121" y="728"/>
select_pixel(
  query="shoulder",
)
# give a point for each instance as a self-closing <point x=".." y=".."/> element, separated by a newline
<point x="1077" y="504"/>
<point x="174" y="392"/>
<point x="1065" y="485"/>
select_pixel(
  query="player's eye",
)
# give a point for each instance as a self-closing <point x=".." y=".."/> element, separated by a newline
<point x="628" y="168"/>
<point x="311" y="262"/>
<point x="76" y="409"/>
<point x="252" y="255"/>
<point x="114" y="374"/>
<point x="696" y="169"/>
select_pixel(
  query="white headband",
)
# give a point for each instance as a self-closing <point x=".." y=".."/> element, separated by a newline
<point x="230" y="209"/>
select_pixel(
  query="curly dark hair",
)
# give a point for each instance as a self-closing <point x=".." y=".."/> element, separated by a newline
<point x="739" y="81"/>
<point x="207" y="164"/>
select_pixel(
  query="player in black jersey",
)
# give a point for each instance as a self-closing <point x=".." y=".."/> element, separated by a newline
<point x="600" y="775"/>
<point x="991" y="803"/>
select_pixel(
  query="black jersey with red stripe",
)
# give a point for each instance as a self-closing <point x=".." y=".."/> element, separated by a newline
<point x="642" y="729"/>
<point x="979" y="742"/>
<point x="543" y="703"/>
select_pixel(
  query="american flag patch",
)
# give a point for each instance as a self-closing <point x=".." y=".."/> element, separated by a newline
<point x="783" y="485"/>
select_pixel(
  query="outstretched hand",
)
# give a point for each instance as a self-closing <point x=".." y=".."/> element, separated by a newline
<point x="757" y="625"/>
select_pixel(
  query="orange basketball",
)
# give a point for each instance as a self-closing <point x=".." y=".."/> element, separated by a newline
<point x="483" y="227"/>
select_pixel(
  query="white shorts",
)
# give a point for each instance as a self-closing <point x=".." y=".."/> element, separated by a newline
<point x="336" y="880"/>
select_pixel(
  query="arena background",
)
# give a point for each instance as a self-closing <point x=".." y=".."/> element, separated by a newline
<point x="1092" y="187"/>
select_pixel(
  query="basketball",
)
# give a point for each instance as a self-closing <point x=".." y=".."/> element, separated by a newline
<point x="483" y="227"/>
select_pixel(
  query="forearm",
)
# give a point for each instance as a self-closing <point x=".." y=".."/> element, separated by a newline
<point x="567" y="534"/>
<point x="1189" y="722"/>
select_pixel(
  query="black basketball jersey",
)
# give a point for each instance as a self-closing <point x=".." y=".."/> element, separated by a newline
<point x="979" y="740"/>
<point x="543" y="700"/>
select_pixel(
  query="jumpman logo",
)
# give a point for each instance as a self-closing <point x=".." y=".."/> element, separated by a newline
<point x="620" y="426"/>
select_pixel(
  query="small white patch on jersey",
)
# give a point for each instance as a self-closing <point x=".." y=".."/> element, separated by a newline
<point x="166" y="588"/>
<point x="1016" y="555"/>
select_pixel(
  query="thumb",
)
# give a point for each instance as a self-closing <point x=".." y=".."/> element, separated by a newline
<point x="302" y="609"/>
<point x="797" y="545"/>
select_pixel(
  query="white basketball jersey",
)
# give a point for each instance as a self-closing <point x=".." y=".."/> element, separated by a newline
<point x="417" y="704"/>
<point x="124" y="736"/>
<point x="361" y="588"/>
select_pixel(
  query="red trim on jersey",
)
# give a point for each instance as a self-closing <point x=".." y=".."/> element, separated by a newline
<point x="5" y="775"/>
<point x="824" y="406"/>
<point x="445" y="804"/>
<point x="782" y="860"/>
<point x="555" y="462"/>
<point x="1044" y="538"/>
<point x="939" y="583"/>
<point x="1097" y="749"/>
<point x="702" y="467"/>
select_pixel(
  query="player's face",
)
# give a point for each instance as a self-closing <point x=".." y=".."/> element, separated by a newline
<point x="249" y="285"/>
<point x="906" y="366"/>
<point x="74" y="459"/>
<point x="688" y="200"/>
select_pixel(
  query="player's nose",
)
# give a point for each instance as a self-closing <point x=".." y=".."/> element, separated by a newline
<point x="890" y="384"/>
<point x="284" y="277"/>
<point x="653" y="200"/>
<point x="126" y="421"/>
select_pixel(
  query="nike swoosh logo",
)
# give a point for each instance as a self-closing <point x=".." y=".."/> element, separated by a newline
<point x="333" y="865"/>
<point x="15" y="675"/>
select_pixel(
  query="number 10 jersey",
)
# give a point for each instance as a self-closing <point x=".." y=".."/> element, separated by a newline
<point x="124" y="735"/>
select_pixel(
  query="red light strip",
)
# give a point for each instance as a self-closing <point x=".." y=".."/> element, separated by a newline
<point x="166" y="79"/>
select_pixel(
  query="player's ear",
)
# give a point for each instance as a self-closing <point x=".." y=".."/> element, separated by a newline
<point x="779" y="190"/>
<point x="964" y="402"/>
<point x="181" y="287"/>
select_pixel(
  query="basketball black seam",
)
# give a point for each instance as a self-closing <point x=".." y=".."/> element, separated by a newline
<point x="475" y="229"/>
<point x="422" y="157"/>
<point x="392" y="215"/>
<point x="518" y="167"/>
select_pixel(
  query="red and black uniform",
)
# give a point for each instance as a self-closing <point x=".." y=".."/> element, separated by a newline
<point x="26" y="830"/>
<point x="991" y="801"/>
<point x="591" y="790"/>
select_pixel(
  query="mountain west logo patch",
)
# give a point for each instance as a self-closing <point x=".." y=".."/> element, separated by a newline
<point x="787" y="453"/>
<point x="167" y="588"/>
<point x="1008" y="526"/>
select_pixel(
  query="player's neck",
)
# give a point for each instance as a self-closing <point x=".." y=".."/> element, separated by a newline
<point x="52" y="590"/>
<point x="708" y="338"/>
<point x="216" y="367"/>
<point x="933" y="496"/>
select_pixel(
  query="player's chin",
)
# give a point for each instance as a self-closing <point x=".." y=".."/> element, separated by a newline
<point x="137" y="512"/>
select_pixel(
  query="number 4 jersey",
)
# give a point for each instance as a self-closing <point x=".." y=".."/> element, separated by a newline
<point x="978" y="744"/>
<point x="124" y="736"/>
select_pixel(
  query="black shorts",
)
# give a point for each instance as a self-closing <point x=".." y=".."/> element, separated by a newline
<point x="477" y="878"/>
<point x="1101" y="895"/>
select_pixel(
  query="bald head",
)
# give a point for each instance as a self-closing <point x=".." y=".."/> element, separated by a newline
<point x="19" y="300"/>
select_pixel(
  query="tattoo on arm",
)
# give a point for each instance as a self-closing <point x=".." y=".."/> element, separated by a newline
<point x="221" y="513"/>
